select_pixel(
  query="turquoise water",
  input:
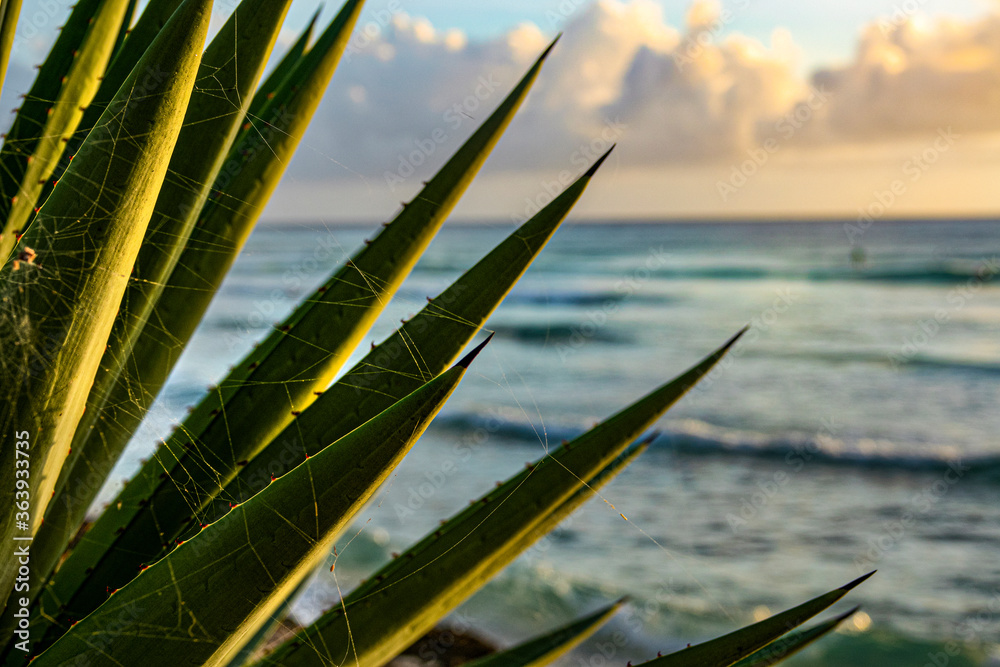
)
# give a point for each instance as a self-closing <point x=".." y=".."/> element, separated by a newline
<point x="854" y="428"/>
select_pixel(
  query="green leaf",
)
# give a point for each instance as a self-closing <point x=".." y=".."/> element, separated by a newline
<point x="212" y="593"/>
<point x="133" y="45"/>
<point x="9" y="12"/>
<point x="735" y="646"/>
<point x="251" y="170"/>
<point x="585" y="493"/>
<point x="546" y="648"/>
<point x="227" y="76"/>
<point x="125" y="26"/>
<point x="500" y="559"/>
<point x="266" y="628"/>
<point x="406" y="597"/>
<point x="391" y="370"/>
<point x="262" y="393"/>
<point x="126" y="55"/>
<point x="57" y="311"/>
<point x="470" y="301"/>
<point x="548" y="523"/>
<point x="171" y="322"/>
<point x="51" y="110"/>
<point x="792" y="643"/>
<point x="269" y="87"/>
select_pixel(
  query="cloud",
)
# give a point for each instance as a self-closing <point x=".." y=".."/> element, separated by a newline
<point x="407" y="94"/>
<point x="402" y="86"/>
<point x="912" y="75"/>
<point x="696" y="92"/>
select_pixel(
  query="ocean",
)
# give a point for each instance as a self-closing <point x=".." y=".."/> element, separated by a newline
<point x="855" y="427"/>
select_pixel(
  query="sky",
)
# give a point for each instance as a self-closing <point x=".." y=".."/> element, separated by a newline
<point x="747" y="109"/>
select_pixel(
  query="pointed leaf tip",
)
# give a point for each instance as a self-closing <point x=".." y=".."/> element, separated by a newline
<point x="847" y="614"/>
<point x="594" y="167"/>
<point x="857" y="582"/>
<point x="548" y="49"/>
<point x="735" y="337"/>
<point x="649" y="439"/>
<point x="637" y="449"/>
<point x="467" y="359"/>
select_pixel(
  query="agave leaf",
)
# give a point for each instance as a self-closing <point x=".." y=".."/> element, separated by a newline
<point x="70" y="76"/>
<point x="269" y="87"/>
<point x="587" y="492"/>
<point x="391" y="370"/>
<point x="406" y="597"/>
<point x="9" y="12"/>
<point x="85" y="239"/>
<point x="251" y="170"/>
<point x="792" y="643"/>
<point x="137" y="39"/>
<point x="543" y="650"/>
<point x="489" y="280"/>
<point x="266" y="628"/>
<point x="152" y="358"/>
<point x="132" y="46"/>
<point x="735" y="646"/>
<point x="193" y="597"/>
<point x="550" y="521"/>
<point x="227" y="76"/>
<point x="125" y="27"/>
<point x="265" y="390"/>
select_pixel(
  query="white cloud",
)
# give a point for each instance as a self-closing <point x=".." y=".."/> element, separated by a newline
<point x="694" y="92"/>
<point x="407" y="94"/>
<point x="914" y="75"/>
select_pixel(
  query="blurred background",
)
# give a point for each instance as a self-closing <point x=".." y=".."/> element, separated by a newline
<point x="824" y="172"/>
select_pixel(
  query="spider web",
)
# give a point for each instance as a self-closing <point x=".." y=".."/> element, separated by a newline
<point x="31" y="352"/>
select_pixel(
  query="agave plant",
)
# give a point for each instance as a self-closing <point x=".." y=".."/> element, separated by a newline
<point x="132" y="174"/>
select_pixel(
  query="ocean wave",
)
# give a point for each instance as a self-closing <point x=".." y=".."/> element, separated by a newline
<point x="889" y="359"/>
<point x="693" y="438"/>
<point x="583" y="299"/>
<point x="668" y="619"/>
<point x="550" y="334"/>
<point x="929" y="273"/>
